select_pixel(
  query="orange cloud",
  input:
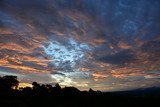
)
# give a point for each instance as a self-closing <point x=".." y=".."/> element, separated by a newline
<point x="17" y="63"/>
<point x="99" y="75"/>
<point x="15" y="47"/>
<point x="22" y="68"/>
<point x="124" y="45"/>
<point x="6" y="32"/>
<point x="23" y="85"/>
<point x="96" y="42"/>
<point x="126" y="72"/>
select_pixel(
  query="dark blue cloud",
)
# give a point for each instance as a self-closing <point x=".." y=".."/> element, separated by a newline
<point x="119" y="58"/>
<point x="151" y="46"/>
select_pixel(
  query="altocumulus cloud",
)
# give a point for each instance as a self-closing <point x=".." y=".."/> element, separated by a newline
<point x="102" y="44"/>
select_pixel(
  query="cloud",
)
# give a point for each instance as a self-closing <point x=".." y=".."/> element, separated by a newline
<point x="151" y="46"/>
<point x="94" y="43"/>
<point x="119" y="58"/>
<point x="71" y="78"/>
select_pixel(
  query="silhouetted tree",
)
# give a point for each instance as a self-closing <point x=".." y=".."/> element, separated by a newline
<point x="71" y="91"/>
<point x="91" y="90"/>
<point x="8" y="83"/>
<point x="26" y="91"/>
<point x="56" y="89"/>
<point x="35" y="85"/>
<point x="43" y="89"/>
<point x="49" y="87"/>
<point x="57" y="86"/>
<point x="2" y="83"/>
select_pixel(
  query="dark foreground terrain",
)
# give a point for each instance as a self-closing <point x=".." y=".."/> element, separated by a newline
<point x="48" y="96"/>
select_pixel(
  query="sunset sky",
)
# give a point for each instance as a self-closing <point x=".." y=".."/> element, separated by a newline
<point x="106" y="45"/>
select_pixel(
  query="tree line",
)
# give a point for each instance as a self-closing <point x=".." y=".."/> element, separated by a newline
<point x="46" y="95"/>
<point x="10" y="84"/>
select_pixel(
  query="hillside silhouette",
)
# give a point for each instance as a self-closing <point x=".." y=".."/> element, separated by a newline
<point x="55" y="96"/>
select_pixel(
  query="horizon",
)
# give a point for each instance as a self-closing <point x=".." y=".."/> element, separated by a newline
<point x="22" y="86"/>
<point x="106" y="45"/>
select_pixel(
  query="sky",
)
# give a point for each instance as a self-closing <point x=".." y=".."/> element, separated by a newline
<point x="107" y="45"/>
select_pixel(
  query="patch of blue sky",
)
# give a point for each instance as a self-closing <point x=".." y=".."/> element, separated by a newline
<point x="61" y="54"/>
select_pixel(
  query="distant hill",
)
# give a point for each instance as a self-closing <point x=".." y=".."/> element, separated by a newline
<point x="140" y="91"/>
